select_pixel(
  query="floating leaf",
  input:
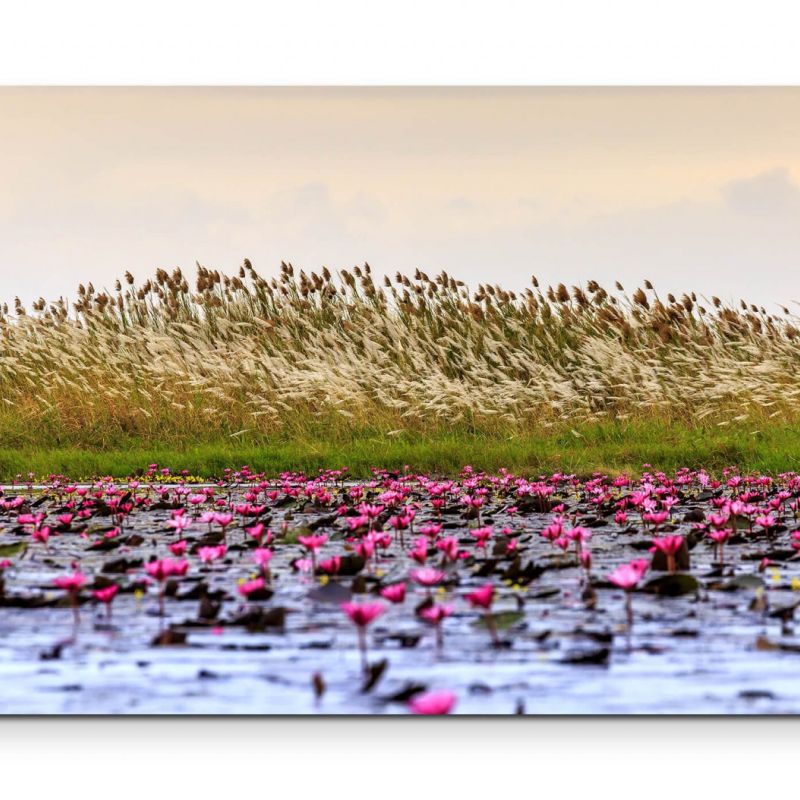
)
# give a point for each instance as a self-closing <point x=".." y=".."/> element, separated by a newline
<point x="673" y="585"/>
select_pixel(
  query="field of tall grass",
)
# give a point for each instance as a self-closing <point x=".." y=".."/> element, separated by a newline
<point x="315" y="358"/>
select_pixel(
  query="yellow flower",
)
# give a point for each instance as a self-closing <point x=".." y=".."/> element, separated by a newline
<point x="795" y="584"/>
<point x="323" y="579"/>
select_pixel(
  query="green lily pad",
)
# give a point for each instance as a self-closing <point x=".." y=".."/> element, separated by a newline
<point x="502" y="620"/>
<point x="673" y="585"/>
<point x="8" y="550"/>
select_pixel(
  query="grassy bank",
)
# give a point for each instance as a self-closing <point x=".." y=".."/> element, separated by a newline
<point x="586" y="448"/>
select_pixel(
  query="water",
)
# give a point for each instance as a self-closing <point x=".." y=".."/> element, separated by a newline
<point x="697" y="653"/>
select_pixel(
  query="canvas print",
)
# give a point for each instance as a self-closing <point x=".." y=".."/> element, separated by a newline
<point x="399" y="401"/>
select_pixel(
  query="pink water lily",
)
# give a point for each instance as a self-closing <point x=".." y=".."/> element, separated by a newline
<point x="208" y="555"/>
<point x="178" y="548"/>
<point x="106" y="596"/>
<point x="432" y="703"/>
<point x="627" y="577"/>
<point x="427" y="576"/>
<point x="361" y="615"/>
<point x="262" y="556"/>
<point x="435" y="615"/>
<point x="483" y="598"/>
<point x="72" y="584"/>
<point x="396" y="593"/>
<point x="162" y="570"/>
<point x="250" y="587"/>
<point x="669" y="546"/>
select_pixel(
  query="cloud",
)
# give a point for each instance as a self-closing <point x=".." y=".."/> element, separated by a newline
<point x="766" y="194"/>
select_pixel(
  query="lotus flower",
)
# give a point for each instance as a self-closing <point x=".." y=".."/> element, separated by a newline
<point x="432" y="703"/>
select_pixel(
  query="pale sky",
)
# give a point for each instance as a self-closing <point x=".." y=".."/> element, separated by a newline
<point x="692" y="188"/>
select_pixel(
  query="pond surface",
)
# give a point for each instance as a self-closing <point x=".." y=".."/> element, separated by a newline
<point x="712" y="638"/>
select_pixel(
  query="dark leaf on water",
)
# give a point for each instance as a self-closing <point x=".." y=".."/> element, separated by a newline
<point x="405" y="694"/>
<point x="599" y="656"/>
<point x="257" y="619"/>
<point x="121" y="565"/>
<point x="168" y="638"/>
<point x="404" y="640"/>
<point x="756" y="694"/>
<point x="673" y="585"/>
<point x="318" y="685"/>
<point x="209" y="609"/>
<point x="331" y="592"/>
<point x="743" y="582"/>
<point x="322" y="522"/>
<point x="374" y="674"/>
<point x="785" y="613"/>
<point x="351" y="564"/>
<point x="53" y="653"/>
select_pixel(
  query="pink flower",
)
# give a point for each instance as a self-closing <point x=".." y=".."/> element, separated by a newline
<point x="71" y="583"/>
<point x="627" y="576"/>
<point x="262" y="556"/>
<point x="223" y="519"/>
<point x="432" y="703"/>
<point x="331" y="565"/>
<point x="257" y="531"/>
<point x="482" y="597"/>
<point x="41" y="534"/>
<point x="313" y="542"/>
<point x="420" y="551"/>
<point x="562" y="542"/>
<point x="482" y="535"/>
<point x="210" y="554"/>
<point x="249" y="587"/>
<point x="431" y="529"/>
<point x="362" y="614"/>
<point x="579" y="534"/>
<point x="720" y="536"/>
<point x="166" y="568"/>
<point x="449" y="547"/>
<point x="180" y="523"/>
<point x="668" y="545"/>
<point x="427" y="576"/>
<point x="178" y="548"/>
<point x="106" y="594"/>
<point x="396" y="593"/>
<point x="435" y="614"/>
<point x="366" y="547"/>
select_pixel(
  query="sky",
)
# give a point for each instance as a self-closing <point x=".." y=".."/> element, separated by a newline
<point x="691" y="188"/>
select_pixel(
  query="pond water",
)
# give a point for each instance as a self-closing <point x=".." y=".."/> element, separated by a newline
<point x="725" y="645"/>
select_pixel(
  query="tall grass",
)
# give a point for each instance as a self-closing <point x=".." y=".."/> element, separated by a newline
<point x="301" y="357"/>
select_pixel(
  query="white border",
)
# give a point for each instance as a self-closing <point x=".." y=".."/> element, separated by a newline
<point x="384" y="759"/>
<point x="423" y="42"/>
